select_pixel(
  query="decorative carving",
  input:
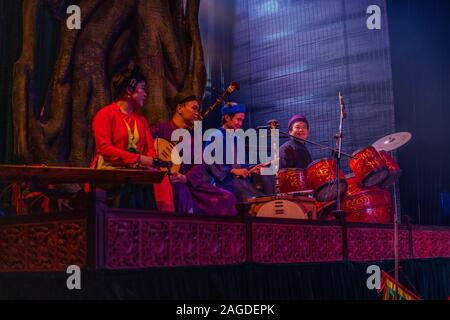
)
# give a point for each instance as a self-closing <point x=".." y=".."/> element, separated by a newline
<point x="123" y="236"/>
<point x="431" y="243"/>
<point x="12" y="248"/>
<point x="368" y="244"/>
<point x="41" y="246"/>
<point x="149" y="242"/>
<point x="71" y="244"/>
<point x="184" y="244"/>
<point x="144" y="241"/>
<point x="51" y="246"/>
<point x="276" y="243"/>
<point x="155" y="243"/>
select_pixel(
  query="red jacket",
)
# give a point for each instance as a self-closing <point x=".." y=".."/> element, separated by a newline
<point x="111" y="140"/>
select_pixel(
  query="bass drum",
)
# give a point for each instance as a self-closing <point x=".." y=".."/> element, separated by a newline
<point x="286" y="209"/>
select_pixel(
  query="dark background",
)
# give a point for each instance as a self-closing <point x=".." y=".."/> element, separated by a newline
<point x="420" y="51"/>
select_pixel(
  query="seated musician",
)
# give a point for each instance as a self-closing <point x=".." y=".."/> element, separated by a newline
<point x="234" y="177"/>
<point x="193" y="193"/>
<point x="123" y="139"/>
<point x="293" y="153"/>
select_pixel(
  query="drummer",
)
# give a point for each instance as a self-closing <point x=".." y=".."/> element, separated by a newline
<point x="294" y="154"/>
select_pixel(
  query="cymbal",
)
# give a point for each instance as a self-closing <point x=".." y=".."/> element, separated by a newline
<point x="392" y="141"/>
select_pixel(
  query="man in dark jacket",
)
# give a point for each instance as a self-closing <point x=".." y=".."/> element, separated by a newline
<point x="294" y="154"/>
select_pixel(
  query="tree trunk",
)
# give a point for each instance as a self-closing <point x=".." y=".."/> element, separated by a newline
<point x="161" y="36"/>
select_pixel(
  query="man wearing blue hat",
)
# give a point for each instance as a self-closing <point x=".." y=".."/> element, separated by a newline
<point x="235" y="177"/>
<point x="294" y="154"/>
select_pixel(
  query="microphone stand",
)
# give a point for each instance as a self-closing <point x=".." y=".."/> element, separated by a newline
<point x="339" y="213"/>
<point x="273" y="124"/>
<point x="334" y="150"/>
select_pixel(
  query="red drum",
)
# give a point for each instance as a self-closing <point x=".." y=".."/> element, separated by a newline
<point x="322" y="177"/>
<point x="292" y="180"/>
<point x="394" y="170"/>
<point x="368" y="167"/>
<point x="371" y="205"/>
<point x="354" y="185"/>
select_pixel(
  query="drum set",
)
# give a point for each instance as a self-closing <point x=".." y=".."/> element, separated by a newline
<point x="364" y="192"/>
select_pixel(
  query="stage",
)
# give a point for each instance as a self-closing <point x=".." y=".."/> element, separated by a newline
<point x="137" y="254"/>
<point x="345" y="104"/>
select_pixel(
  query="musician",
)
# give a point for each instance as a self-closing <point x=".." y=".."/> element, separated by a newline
<point x="294" y="154"/>
<point x="123" y="139"/>
<point x="192" y="191"/>
<point x="234" y="177"/>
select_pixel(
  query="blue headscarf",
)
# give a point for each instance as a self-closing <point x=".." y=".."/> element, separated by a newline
<point x="232" y="108"/>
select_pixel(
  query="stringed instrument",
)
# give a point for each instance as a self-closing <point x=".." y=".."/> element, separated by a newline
<point x="56" y="174"/>
<point x="165" y="149"/>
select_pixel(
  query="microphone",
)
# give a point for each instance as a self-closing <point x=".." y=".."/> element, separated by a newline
<point x="271" y="124"/>
<point x="264" y="127"/>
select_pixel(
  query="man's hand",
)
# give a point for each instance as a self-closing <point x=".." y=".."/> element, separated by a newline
<point x="178" y="178"/>
<point x="146" y="161"/>
<point x="240" y="172"/>
<point x="256" y="169"/>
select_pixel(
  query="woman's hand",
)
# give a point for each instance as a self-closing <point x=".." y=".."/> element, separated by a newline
<point x="146" y="161"/>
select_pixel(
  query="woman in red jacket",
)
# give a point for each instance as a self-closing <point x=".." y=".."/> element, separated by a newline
<point x="123" y="139"/>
